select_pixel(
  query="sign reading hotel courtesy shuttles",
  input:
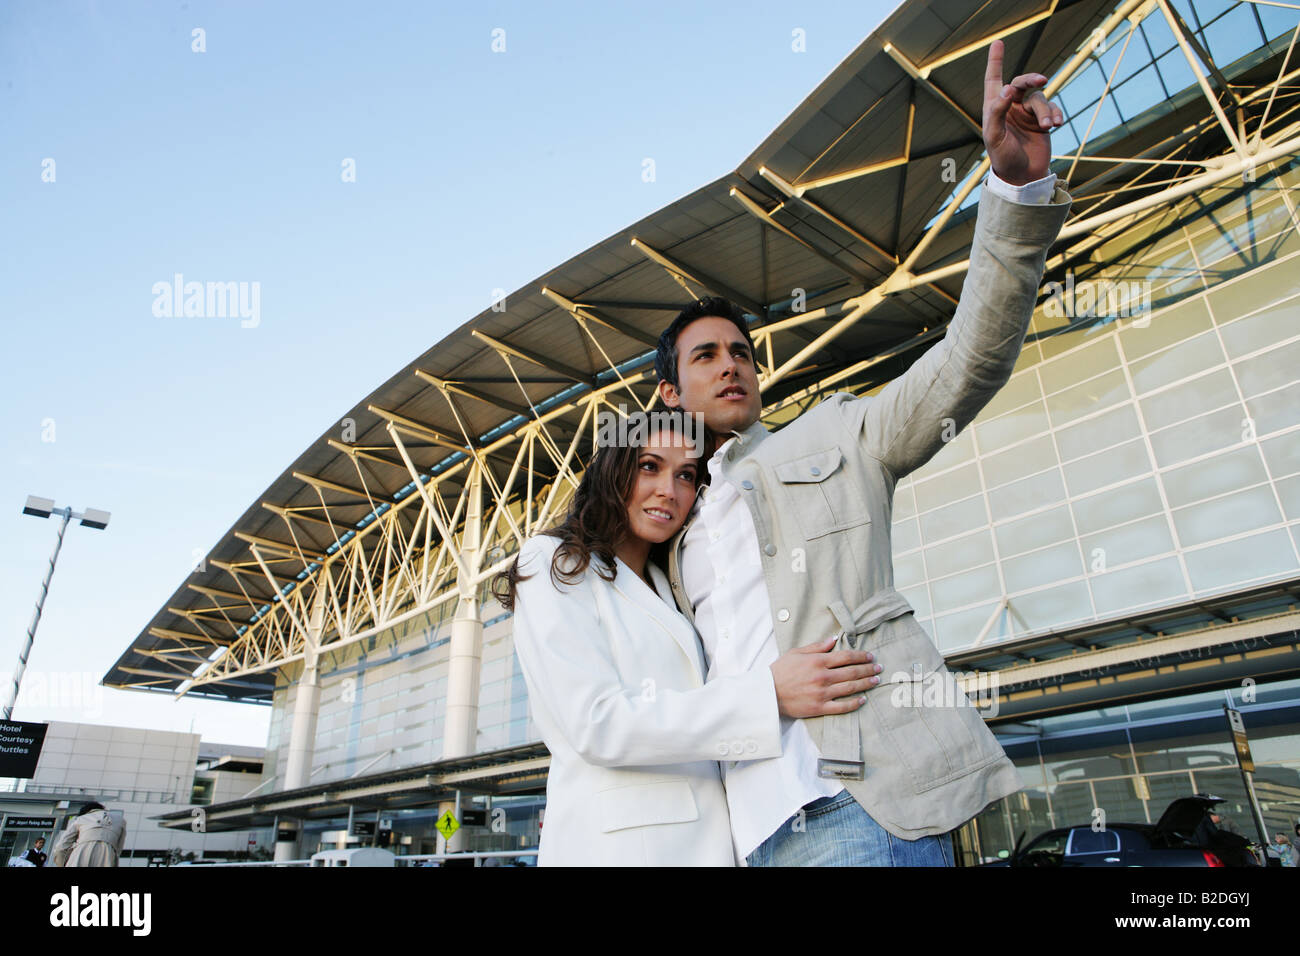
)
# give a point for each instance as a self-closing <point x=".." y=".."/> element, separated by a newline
<point x="20" y="747"/>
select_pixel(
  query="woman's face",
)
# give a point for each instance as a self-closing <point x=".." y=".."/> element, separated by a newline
<point x="663" y="489"/>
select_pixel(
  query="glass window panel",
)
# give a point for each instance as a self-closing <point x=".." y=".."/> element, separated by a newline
<point x="1042" y="567"/>
<point x="906" y="535"/>
<point x="1174" y="274"/>
<point x="1012" y="427"/>
<point x="1072" y="334"/>
<point x="1269" y="370"/>
<point x="1240" y="468"/>
<point x="1035" y="531"/>
<point x="1259" y="556"/>
<point x="1165" y="788"/>
<point x="946" y="488"/>
<point x="1277" y="22"/>
<point x="1053" y="607"/>
<point x="1021" y="389"/>
<point x="1199" y="436"/>
<point x="1091" y="396"/>
<point x="1093" y="435"/>
<point x="919" y="598"/>
<point x="1288" y="489"/>
<point x="1247" y="220"/>
<point x="1082" y="757"/>
<point x="1084" y="363"/>
<point x="1154" y="583"/>
<point x="1275" y="410"/>
<point x="1261" y="288"/>
<point x="952" y="631"/>
<point x="909" y="570"/>
<point x="1230" y="514"/>
<point x="1175" y="72"/>
<point x="1233" y="35"/>
<point x="1131" y="542"/>
<point x="1120" y="800"/>
<point x="1142" y="92"/>
<point x="1184" y="359"/>
<point x="1116" y="506"/>
<point x="1106" y="468"/>
<point x="1269" y="249"/>
<point x="959" y="590"/>
<point x="1027" y="494"/>
<point x="904" y="500"/>
<point x="960" y="449"/>
<point x="960" y="554"/>
<point x="954" y="519"/>
<point x="1029" y="458"/>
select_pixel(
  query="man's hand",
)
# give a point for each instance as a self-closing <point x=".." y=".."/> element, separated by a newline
<point x="1018" y="123"/>
<point x="810" y="678"/>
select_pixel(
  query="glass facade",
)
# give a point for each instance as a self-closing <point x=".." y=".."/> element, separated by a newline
<point x="1126" y="764"/>
<point x="383" y="701"/>
<point x="1133" y="460"/>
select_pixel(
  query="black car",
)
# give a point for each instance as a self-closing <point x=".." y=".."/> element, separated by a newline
<point x="1183" y="836"/>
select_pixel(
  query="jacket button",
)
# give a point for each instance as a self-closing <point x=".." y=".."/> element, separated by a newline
<point x="770" y="550"/>
<point x="751" y="747"/>
<point x="747" y="485"/>
<point x="724" y="749"/>
<point x="815" y="470"/>
<point x="783" y="615"/>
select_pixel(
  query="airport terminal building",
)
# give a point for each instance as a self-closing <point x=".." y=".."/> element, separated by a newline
<point x="1115" y="540"/>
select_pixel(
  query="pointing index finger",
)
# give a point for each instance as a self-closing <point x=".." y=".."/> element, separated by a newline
<point x="993" y="72"/>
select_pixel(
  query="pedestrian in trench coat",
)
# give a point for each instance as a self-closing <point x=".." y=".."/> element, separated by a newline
<point x="94" y="837"/>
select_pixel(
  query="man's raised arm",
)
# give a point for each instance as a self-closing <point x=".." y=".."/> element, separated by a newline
<point x="1020" y="213"/>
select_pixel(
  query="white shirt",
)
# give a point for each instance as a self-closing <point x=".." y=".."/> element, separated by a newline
<point x="723" y="577"/>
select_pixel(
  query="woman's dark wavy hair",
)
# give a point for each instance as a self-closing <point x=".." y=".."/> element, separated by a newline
<point x="597" y="517"/>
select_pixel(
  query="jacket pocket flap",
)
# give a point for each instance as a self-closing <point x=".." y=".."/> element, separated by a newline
<point x="885" y="605"/>
<point x="810" y="468"/>
<point x="645" y="804"/>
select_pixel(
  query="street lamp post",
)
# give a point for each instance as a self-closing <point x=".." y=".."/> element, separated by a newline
<point x="43" y="508"/>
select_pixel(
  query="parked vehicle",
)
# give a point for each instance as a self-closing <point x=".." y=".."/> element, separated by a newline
<point x="1183" y="836"/>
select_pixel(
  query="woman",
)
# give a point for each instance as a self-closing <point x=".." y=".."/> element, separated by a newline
<point x="94" y="837"/>
<point x="616" y="675"/>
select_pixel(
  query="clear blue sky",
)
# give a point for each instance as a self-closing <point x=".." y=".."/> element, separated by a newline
<point x="474" y="170"/>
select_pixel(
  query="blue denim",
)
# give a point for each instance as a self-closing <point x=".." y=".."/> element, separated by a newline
<point x="836" y="831"/>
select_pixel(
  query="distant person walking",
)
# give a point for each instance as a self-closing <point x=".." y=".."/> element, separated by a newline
<point x="94" y="837"/>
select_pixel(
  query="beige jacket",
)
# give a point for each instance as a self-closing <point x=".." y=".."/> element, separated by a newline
<point x="821" y="490"/>
<point x="92" y="839"/>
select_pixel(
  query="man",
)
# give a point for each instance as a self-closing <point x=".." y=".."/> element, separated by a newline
<point x="791" y="544"/>
<point x="34" y="855"/>
<point x="1224" y="823"/>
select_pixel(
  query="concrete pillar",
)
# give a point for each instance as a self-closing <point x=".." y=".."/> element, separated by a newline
<point x="460" y="734"/>
<point x="302" y="730"/>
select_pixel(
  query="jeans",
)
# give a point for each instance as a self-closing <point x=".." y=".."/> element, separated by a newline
<point x="836" y="831"/>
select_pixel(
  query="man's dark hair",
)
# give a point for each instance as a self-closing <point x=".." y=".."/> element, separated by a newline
<point x="708" y="307"/>
<point x="88" y="807"/>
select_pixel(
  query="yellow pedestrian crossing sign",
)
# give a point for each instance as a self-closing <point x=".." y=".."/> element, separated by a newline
<point x="447" y="825"/>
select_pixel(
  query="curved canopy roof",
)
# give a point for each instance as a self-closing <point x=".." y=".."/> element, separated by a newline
<point x="868" y="185"/>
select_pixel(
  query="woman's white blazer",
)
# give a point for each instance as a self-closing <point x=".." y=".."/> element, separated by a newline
<point x="616" y="682"/>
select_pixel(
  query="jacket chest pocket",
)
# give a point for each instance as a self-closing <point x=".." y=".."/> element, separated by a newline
<point x="821" y="493"/>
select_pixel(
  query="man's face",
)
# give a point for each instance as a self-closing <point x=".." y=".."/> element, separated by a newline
<point x="716" y="376"/>
<point x="40" y="844"/>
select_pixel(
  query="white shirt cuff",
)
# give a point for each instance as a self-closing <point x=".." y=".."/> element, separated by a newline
<point x="1037" y="193"/>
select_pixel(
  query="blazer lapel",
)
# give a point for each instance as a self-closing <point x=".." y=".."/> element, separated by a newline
<point x="630" y="585"/>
